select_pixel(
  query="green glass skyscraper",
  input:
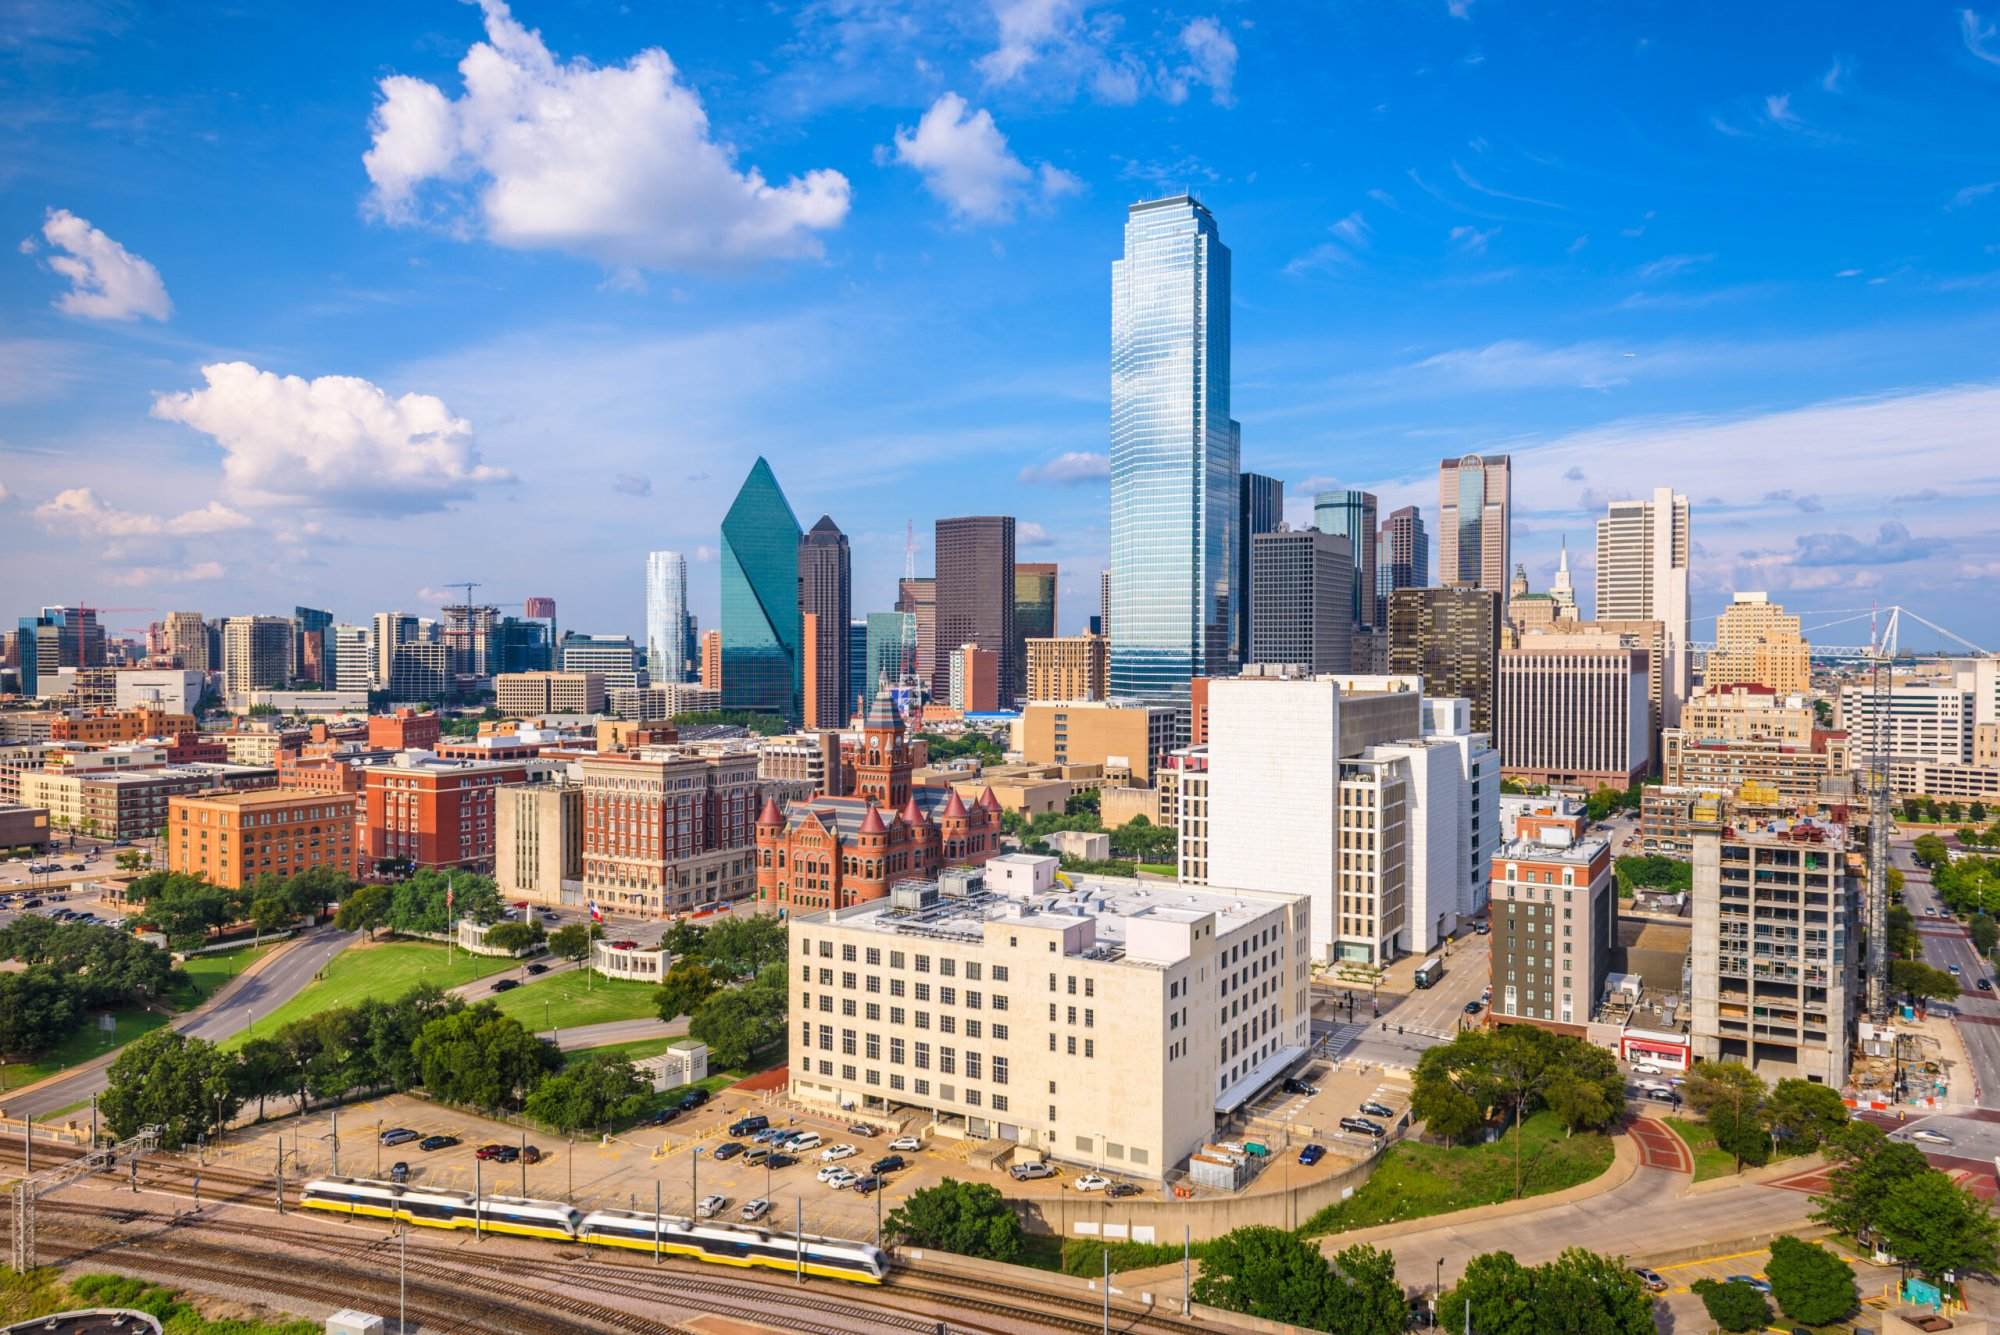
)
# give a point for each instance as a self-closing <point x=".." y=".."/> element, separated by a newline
<point x="761" y="662"/>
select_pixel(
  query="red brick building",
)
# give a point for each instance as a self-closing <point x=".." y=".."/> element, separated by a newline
<point x="830" y="852"/>
<point x="435" y="813"/>
<point x="404" y="730"/>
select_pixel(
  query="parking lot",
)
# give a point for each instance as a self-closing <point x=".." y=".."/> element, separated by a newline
<point x="1688" y="1313"/>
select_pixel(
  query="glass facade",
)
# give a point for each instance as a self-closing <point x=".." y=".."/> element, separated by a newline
<point x="1351" y="515"/>
<point x="891" y="655"/>
<point x="666" y="616"/>
<point x="760" y="599"/>
<point x="1174" y="454"/>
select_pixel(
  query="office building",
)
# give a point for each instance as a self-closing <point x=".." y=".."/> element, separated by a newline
<point x="1475" y="514"/>
<point x="1777" y="946"/>
<point x="256" y="653"/>
<point x="1103" y="626"/>
<point x="392" y="630"/>
<point x="430" y="811"/>
<point x="129" y="803"/>
<point x="1172" y="1009"/>
<point x="1034" y="611"/>
<point x="666" y="616"/>
<point x="1351" y="515"/>
<point x="538" y="843"/>
<point x="1068" y="667"/>
<point x="711" y="660"/>
<point x="1124" y="736"/>
<point x="311" y="656"/>
<point x="1771" y="748"/>
<point x="1574" y="709"/>
<point x="419" y="669"/>
<point x="762" y="663"/>
<point x="612" y="657"/>
<point x="1554" y="926"/>
<point x="1260" y="508"/>
<point x="534" y="694"/>
<point x="858" y="689"/>
<point x="404" y="730"/>
<point x="467" y="632"/>
<point x="1174" y="454"/>
<point x="1402" y="558"/>
<point x="1642" y="575"/>
<point x="975" y="680"/>
<point x="230" y="839"/>
<point x="353" y="653"/>
<point x="1756" y="643"/>
<point x="171" y="690"/>
<point x="825" y="595"/>
<point x="1450" y="638"/>
<point x="917" y="599"/>
<point x="975" y="597"/>
<point x="892" y="651"/>
<point x="1937" y="723"/>
<point x="667" y="829"/>
<point x="1301" y="586"/>
<point x="187" y="641"/>
<point x="1651" y="636"/>
<point x="521" y="644"/>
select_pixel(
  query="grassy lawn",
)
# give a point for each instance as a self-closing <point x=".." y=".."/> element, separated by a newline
<point x="1709" y="1161"/>
<point x="207" y="973"/>
<point x="577" y="998"/>
<point x="1415" y="1180"/>
<point x="386" y="970"/>
<point x="1158" y="868"/>
<point x="631" y="1052"/>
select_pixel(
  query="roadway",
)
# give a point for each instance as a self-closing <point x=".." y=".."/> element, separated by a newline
<point x="1945" y="943"/>
<point x="238" y="1005"/>
<point x="1396" y="1028"/>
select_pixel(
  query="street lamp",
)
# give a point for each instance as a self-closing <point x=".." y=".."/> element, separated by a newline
<point x="694" y="1184"/>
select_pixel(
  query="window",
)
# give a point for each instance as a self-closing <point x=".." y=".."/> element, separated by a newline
<point x="847" y="954"/>
<point x="972" y="1001"/>
<point x="826" y="1037"/>
<point x="896" y="1015"/>
<point x="972" y="1064"/>
<point x="895" y="959"/>
<point x="847" y="981"/>
<point x="923" y="991"/>
<point x="1072" y="1044"/>
<point x="874" y="955"/>
<point x="847" y="1042"/>
<point x="947" y="967"/>
<point x="972" y="1029"/>
<point x="872" y="1047"/>
<point x="923" y="964"/>
<point x="923" y="1088"/>
<point x="999" y="1070"/>
<point x="1000" y="973"/>
<point x="947" y="1061"/>
<point x="947" y="996"/>
<point x="999" y="1103"/>
<point x="874" y="1011"/>
<point x="895" y="1081"/>
<point x="896" y="1051"/>
<point x="999" y="1001"/>
<point x="1000" y="1033"/>
<point x="923" y="1057"/>
<point x="895" y="987"/>
<point x="874" y="983"/>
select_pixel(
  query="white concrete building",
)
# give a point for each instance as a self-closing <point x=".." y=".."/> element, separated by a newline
<point x="1107" y="1022"/>
<point x="172" y="690"/>
<point x="353" y="657"/>
<point x="1642" y="575"/>
<point x="1934" y="723"/>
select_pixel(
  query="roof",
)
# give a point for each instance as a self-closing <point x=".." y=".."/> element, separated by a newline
<point x="265" y="797"/>
<point x="847" y="816"/>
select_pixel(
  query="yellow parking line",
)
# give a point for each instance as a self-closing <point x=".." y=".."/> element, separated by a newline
<point x="1712" y="1260"/>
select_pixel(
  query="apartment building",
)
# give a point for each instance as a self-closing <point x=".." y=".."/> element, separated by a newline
<point x="1068" y="667"/>
<point x="1575" y="709"/>
<point x="1113" y="733"/>
<point x="129" y="804"/>
<point x="228" y="839"/>
<point x="1305" y="594"/>
<point x="666" y="829"/>
<point x="538" y="843"/>
<point x="534" y="694"/>
<point x="1756" y="643"/>
<point x="1103" y="1022"/>
<point x="124" y="725"/>
<point x="1796" y="769"/>
<point x="1922" y="722"/>
<point x="1777" y="946"/>
<point x="256" y="653"/>
<point x="433" y="812"/>
<point x="1555" y="924"/>
<point x="1450" y="637"/>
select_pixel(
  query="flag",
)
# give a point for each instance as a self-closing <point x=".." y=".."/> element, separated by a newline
<point x="595" y="914"/>
<point x="447" y="895"/>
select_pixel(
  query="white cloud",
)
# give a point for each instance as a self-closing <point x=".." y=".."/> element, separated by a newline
<point x="134" y="576"/>
<point x="5" y="495"/>
<point x="1354" y="230"/>
<point x="1668" y="265"/>
<point x="1778" y="110"/>
<point x="338" y="441"/>
<point x="1471" y="240"/>
<point x="1972" y="194"/>
<point x="1978" y="35"/>
<point x="107" y="281"/>
<point x="1077" y="466"/>
<point x="1516" y="364"/>
<point x="78" y="510"/>
<point x="615" y="163"/>
<point x="1835" y="78"/>
<point x="1211" y="58"/>
<point x="1470" y="182"/>
<point x="965" y="161"/>
<point x="1026" y="27"/>
<point x="1074" y="44"/>
<point x="1028" y="533"/>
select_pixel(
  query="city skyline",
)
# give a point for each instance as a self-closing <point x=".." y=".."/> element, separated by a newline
<point x="1681" y="340"/>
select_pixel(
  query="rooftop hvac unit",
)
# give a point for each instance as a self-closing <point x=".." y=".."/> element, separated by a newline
<point x="912" y="896"/>
<point x="959" y="882"/>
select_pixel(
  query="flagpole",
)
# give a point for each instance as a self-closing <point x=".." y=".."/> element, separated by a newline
<point x="451" y="922"/>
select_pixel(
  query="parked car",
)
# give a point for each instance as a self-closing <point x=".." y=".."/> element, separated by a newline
<point x="744" y="1126"/>
<point x="835" y="1153"/>
<point x="1029" y="1172"/>
<point x="906" y="1143"/>
<point x="1294" y="1085"/>
<point x="757" y="1154"/>
<point x="1311" y="1155"/>
<point x="1474" y="1007"/>
<point x="430" y="1143"/>
<point x="491" y="1151"/>
<point x="398" y="1135"/>
<point x="1480" y="928"/>
<point x="1120" y="1189"/>
<point x="1930" y="1137"/>
<point x="538" y="967"/>
<point x="693" y="1099"/>
<point x="808" y="1141"/>
<point x="729" y="1149"/>
<point x="861" y="1129"/>
<point x="888" y="1163"/>
<point x="1666" y="1096"/>
<point x="1985" y="985"/>
<point x="1646" y="1068"/>
<point x="842" y="1178"/>
<point x="1652" y="1279"/>
<point x="1374" y="1109"/>
<point x="1362" y="1126"/>
<point x="868" y="1183"/>
<point x="661" y="1116"/>
<point x="507" y="1154"/>
<point x="1754" y="1282"/>
<point x="1091" y="1182"/>
<point x="506" y="985"/>
<point x="780" y="1159"/>
<point x="399" y="1171"/>
<point x="529" y="1154"/>
<point x="752" y="1211"/>
<point x="711" y="1206"/>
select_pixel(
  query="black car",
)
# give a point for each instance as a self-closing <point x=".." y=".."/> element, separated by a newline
<point x="728" y="1149"/>
<point x="1473" y="1008"/>
<point x="538" y="968"/>
<point x="399" y="1171"/>
<point x="865" y="1185"/>
<point x="1666" y="1096"/>
<point x="693" y="1099"/>
<point x="661" y="1116"/>
<point x="1362" y="1126"/>
<point x="888" y="1163"/>
<point x="1294" y="1085"/>
<point x="781" y="1160"/>
<point x="1985" y="985"/>
<point x="744" y="1126"/>
<point x="1373" y="1109"/>
<point x="429" y="1143"/>
<point x="398" y="1135"/>
<point x="1121" y="1189"/>
<point x="506" y="985"/>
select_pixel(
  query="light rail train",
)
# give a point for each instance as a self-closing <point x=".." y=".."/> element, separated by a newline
<point x="558" y="1221"/>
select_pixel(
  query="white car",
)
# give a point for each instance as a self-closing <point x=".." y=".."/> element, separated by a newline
<point x="809" y="1141"/>
<point x="835" y="1153"/>
<point x="711" y="1206"/>
<point x="906" y="1143"/>
<point x="843" y="1177"/>
<point x="1645" y="1068"/>
<point x="1092" y="1182"/>
<point x="1930" y="1137"/>
<point x="826" y="1174"/>
<point x="754" y="1210"/>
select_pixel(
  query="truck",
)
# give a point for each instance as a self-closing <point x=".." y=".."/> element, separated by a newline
<point x="1430" y="971"/>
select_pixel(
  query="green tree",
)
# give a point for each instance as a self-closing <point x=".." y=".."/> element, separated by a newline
<point x="1930" y="851"/>
<point x="1867" y="1166"/>
<point x="744" y="1021"/>
<point x="1579" y="1293"/>
<point x="572" y="942"/>
<point x="269" y="913"/>
<point x="737" y="947"/>
<point x="313" y="890"/>
<point x="261" y="1071"/>
<point x="1810" y="1284"/>
<point x="168" y="1080"/>
<point x="1977" y="811"/>
<point x="39" y="1007"/>
<point x="364" y="910"/>
<point x="1652" y="872"/>
<point x="686" y="986"/>
<point x="1985" y="932"/>
<point x="418" y="904"/>
<point x="479" y="1057"/>
<point x="1904" y="942"/>
<point x="593" y="1093"/>
<point x="1267" y="1273"/>
<point x="684" y="938"/>
<point x="1731" y="1097"/>
<point x="1734" y="1306"/>
<point x="970" y="1218"/>
<point x="1804" y="1114"/>
<point x="515" y="937"/>
<point x="1929" y="1221"/>
<point x="1449" y="1093"/>
<point x="1368" y="1299"/>
<point x="1920" y="982"/>
<point x="1581" y="1101"/>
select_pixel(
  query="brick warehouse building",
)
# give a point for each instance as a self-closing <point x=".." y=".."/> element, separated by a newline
<point x="433" y="812"/>
<point x="228" y="839"/>
<point x="833" y="852"/>
<point x="666" y="829"/>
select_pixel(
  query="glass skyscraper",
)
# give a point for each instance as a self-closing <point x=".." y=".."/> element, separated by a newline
<point x="1351" y="515"/>
<point x="760" y="599"/>
<point x="666" y="615"/>
<point x="1260" y="508"/>
<point x="1174" y="454"/>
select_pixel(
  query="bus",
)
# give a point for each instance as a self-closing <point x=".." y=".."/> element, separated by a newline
<point x="1430" y="971"/>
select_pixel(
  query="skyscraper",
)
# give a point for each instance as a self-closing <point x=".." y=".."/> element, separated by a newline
<point x="1402" y="558"/>
<point x="310" y="658"/>
<point x="1034" y="610"/>
<point x="858" y="689"/>
<point x="1475" y="509"/>
<point x="353" y="667"/>
<point x="892" y="638"/>
<point x="1174" y="453"/>
<point x="975" y="597"/>
<point x="825" y="595"/>
<point x="187" y="640"/>
<point x="918" y="599"/>
<point x="1756" y="643"/>
<point x="1302" y="589"/>
<point x="666" y="615"/>
<point x="1260" y="508"/>
<point x="1561" y="590"/>
<point x="1642" y="575"/>
<point x="761" y="660"/>
<point x="1351" y="515"/>
<point x="391" y="630"/>
<point x="1451" y="638"/>
<point x="257" y="652"/>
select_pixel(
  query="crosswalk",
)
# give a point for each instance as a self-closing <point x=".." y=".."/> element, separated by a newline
<point x="1332" y="1040"/>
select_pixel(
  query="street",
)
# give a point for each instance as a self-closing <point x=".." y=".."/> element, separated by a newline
<point x="1408" y="1023"/>
<point x="1945" y="943"/>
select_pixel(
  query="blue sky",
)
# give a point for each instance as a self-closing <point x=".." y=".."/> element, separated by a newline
<point x="334" y="305"/>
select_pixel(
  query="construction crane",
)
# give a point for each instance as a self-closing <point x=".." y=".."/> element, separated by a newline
<point x="468" y="585"/>
<point x="84" y="611"/>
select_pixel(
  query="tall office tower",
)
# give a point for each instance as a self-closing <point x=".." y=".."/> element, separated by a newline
<point x="1034" y="611"/>
<point x="1351" y="515"/>
<point x="1402" y="558"/>
<point x="1260" y="508"/>
<point x="468" y="638"/>
<point x="521" y="644"/>
<point x="1755" y="642"/>
<point x="761" y="660"/>
<point x="613" y="657"/>
<point x="1103" y="626"/>
<point x="1475" y="510"/>
<point x="392" y="630"/>
<point x="918" y="599"/>
<point x="858" y="690"/>
<point x="353" y="666"/>
<point x="975" y="596"/>
<point x="1642" y="575"/>
<point x="690" y="648"/>
<point x="1561" y="589"/>
<point x="711" y="660"/>
<point x="825" y="593"/>
<point x="1301" y="593"/>
<point x="539" y="609"/>
<point x="309" y="645"/>
<point x="67" y="637"/>
<point x="1574" y="709"/>
<point x="1174" y="452"/>
<point x="892" y="638"/>
<point x="187" y="641"/>
<point x="666" y="615"/>
<point x="258" y="653"/>
<point x="1451" y="638"/>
